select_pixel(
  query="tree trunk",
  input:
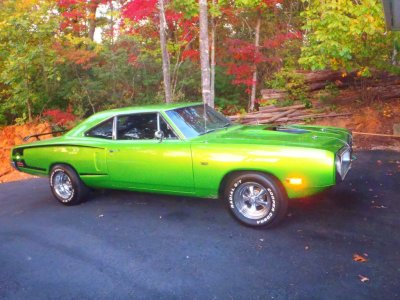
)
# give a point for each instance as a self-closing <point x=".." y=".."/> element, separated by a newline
<point x="28" y="102"/>
<point x="164" y="52"/>
<point x="394" y="55"/>
<point x="212" y="84"/>
<point x="29" y="106"/>
<point x="92" y="7"/>
<point x="204" y="53"/>
<point x="254" y="81"/>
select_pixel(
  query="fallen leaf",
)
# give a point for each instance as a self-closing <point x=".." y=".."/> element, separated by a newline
<point x="306" y="247"/>
<point x="359" y="258"/>
<point x="261" y="240"/>
<point x="363" y="278"/>
<point x="100" y="216"/>
<point x="379" y="162"/>
<point x="370" y="190"/>
<point x="379" y="206"/>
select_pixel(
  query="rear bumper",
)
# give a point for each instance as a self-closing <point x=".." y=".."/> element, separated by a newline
<point x="14" y="165"/>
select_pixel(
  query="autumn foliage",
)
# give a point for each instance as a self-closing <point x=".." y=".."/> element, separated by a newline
<point x="60" y="118"/>
<point x="92" y="55"/>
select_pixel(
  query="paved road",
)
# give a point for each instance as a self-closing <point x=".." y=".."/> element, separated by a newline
<point x="122" y="244"/>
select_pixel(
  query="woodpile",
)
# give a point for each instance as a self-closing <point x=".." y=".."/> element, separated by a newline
<point x="381" y="86"/>
<point x="288" y="114"/>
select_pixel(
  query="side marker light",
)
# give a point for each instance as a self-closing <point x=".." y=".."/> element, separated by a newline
<point x="294" y="181"/>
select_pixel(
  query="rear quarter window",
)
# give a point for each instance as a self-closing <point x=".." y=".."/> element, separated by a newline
<point x="103" y="130"/>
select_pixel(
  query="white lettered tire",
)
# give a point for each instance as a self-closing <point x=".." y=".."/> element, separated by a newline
<point x="66" y="185"/>
<point x="256" y="199"/>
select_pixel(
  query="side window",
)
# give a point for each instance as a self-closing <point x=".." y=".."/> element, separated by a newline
<point x="168" y="132"/>
<point x="137" y="127"/>
<point x="103" y="130"/>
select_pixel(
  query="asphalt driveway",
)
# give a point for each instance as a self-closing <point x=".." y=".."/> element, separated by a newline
<point x="132" y="245"/>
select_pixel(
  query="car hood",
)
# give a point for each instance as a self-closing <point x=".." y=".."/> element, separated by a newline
<point x="321" y="137"/>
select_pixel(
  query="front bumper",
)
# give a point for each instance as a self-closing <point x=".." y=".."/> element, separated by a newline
<point x="343" y="161"/>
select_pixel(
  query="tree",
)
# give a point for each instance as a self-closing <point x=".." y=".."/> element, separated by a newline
<point x="256" y="50"/>
<point x="147" y="23"/>
<point x="164" y="52"/>
<point x="346" y="35"/>
<point x="80" y="16"/>
<point x="204" y="53"/>
<point x="213" y="62"/>
<point x="27" y="58"/>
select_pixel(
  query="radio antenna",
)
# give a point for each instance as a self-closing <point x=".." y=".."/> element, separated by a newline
<point x="205" y="115"/>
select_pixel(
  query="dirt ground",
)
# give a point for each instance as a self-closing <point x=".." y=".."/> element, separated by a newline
<point x="11" y="136"/>
<point x="378" y="117"/>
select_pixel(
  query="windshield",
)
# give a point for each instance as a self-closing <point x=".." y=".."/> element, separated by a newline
<point x="192" y="121"/>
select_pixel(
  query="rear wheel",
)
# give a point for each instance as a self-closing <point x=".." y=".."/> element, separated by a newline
<point x="66" y="185"/>
<point x="256" y="199"/>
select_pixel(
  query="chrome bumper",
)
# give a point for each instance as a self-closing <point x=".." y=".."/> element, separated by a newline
<point x="12" y="163"/>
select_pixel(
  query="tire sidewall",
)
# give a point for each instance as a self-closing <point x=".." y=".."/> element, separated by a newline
<point x="71" y="176"/>
<point x="275" y="195"/>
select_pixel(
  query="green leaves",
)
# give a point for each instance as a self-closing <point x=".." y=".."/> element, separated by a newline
<point x="346" y="35"/>
<point x="27" y="57"/>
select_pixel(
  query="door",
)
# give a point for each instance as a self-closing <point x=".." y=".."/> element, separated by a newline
<point x="138" y="160"/>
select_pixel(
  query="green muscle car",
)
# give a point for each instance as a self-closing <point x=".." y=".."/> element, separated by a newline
<point x="191" y="150"/>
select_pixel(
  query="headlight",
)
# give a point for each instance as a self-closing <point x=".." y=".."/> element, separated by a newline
<point x="343" y="162"/>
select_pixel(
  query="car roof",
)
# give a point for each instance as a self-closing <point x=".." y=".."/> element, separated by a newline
<point x="103" y="115"/>
<point x="145" y="108"/>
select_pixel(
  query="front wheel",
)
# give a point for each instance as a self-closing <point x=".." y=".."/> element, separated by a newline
<point x="256" y="199"/>
<point x="66" y="185"/>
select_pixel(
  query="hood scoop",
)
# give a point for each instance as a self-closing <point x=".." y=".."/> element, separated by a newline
<point x="287" y="129"/>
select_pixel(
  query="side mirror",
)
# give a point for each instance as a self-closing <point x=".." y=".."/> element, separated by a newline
<point x="159" y="135"/>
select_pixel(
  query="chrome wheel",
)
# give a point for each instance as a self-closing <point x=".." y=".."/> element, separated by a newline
<point x="252" y="200"/>
<point x="63" y="186"/>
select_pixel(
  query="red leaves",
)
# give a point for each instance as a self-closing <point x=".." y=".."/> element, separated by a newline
<point x="138" y="10"/>
<point x="245" y="55"/>
<point x="359" y="258"/>
<point x="278" y="40"/>
<point x="59" y="117"/>
<point x="72" y="54"/>
<point x="182" y="30"/>
<point x="270" y="3"/>
<point x="76" y="12"/>
<point x="132" y="59"/>
<point x="191" y="54"/>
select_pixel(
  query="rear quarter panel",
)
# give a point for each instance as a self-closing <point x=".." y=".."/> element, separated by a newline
<point x="88" y="161"/>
